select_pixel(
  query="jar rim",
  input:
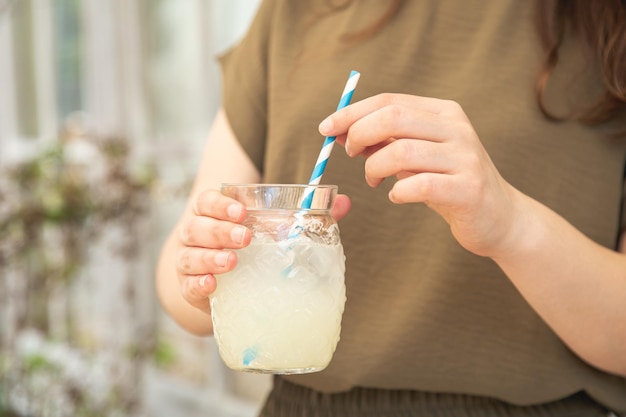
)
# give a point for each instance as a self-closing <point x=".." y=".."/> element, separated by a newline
<point x="282" y="196"/>
<point x="282" y="185"/>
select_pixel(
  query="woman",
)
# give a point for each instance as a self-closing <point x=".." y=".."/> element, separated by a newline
<point x="502" y="294"/>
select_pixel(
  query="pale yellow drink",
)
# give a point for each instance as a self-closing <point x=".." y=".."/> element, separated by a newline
<point x="279" y="310"/>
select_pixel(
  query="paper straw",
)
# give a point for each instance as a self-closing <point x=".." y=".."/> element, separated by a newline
<point x="327" y="147"/>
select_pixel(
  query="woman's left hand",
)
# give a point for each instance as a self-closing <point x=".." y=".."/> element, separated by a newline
<point x="431" y="148"/>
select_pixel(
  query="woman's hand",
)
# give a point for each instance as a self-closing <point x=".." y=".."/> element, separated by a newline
<point x="208" y="238"/>
<point x="206" y="243"/>
<point x="430" y="146"/>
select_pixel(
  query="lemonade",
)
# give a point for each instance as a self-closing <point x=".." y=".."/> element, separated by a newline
<point x="279" y="310"/>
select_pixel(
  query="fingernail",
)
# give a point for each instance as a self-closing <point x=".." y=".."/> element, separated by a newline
<point x="347" y="146"/>
<point x="233" y="211"/>
<point x="237" y="235"/>
<point x="326" y="126"/>
<point x="203" y="281"/>
<point x="221" y="259"/>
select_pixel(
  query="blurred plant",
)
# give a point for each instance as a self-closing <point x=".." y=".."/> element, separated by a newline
<point x="54" y="379"/>
<point x="53" y="207"/>
<point x="164" y="354"/>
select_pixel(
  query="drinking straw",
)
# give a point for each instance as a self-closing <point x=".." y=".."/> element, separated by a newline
<point x="327" y="147"/>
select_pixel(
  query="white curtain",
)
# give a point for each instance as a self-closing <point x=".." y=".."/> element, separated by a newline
<point x="121" y="61"/>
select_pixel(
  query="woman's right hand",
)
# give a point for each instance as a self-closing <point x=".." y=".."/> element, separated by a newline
<point x="206" y="241"/>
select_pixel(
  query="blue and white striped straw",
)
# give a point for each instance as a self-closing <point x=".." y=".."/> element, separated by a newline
<point x="327" y="147"/>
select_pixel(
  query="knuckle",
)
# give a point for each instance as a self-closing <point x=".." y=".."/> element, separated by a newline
<point x="196" y="204"/>
<point x="186" y="287"/>
<point x="396" y="111"/>
<point x="465" y="129"/>
<point x="403" y="154"/>
<point x="192" y="296"/>
<point x="186" y="231"/>
<point x="425" y="187"/>
<point x="189" y="290"/>
<point x="405" y="149"/>
<point x="384" y="98"/>
<point x="391" y="114"/>
<point x="453" y="107"/>
<point x="205" y="201"/>
<point x="184" y="260"/>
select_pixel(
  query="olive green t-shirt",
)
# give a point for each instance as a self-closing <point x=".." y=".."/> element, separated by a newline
<point x="423" y="313"/>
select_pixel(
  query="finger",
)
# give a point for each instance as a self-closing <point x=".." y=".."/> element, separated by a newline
<point x="196" y="290"/>
<point x="419" y="188"/>
<point x="394" y="122"/>
<point x="341" y="207"/>
<point x="339" y="122"/>
<point x="355" y="150"/>
<point x="396" y="116"/>
<point x="341" y="139"/>
<point x="212" y="203"/>
<point x="407" y="156"/>
<point x="366" y="152"/>
<point x="200" y="261"/>
<point x="208" y="232"/>
<point x="430" y="188"/>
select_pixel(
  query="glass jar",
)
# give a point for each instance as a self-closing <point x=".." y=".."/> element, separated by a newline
<point x="279" y="310"/>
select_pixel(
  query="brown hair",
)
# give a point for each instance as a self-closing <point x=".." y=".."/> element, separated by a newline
<point x="600" y="24"/>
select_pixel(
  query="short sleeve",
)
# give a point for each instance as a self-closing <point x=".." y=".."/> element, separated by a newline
<point x="244" y="84"/>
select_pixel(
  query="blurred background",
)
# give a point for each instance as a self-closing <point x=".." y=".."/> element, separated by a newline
<point x="104" y="108"/>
